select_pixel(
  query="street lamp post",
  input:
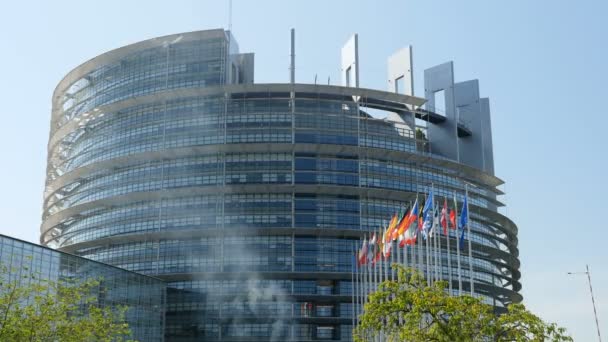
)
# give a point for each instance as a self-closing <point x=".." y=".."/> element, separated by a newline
<point x="597" y="324"/>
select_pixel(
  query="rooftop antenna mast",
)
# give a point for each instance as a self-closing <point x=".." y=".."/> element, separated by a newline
<point x="292" y="67"/>
<point x="229" y="71"/>
<point x="230" y="16"/>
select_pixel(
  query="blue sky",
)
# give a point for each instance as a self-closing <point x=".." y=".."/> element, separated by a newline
<point x="542" y="63"/>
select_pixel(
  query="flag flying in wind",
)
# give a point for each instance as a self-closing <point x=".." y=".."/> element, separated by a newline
<point x="444" y="216"/>
<point x="388" y="246"/>
<point x="464" y="219"/>
<point x="386" y="251"/>
<point x="453" y="214"/>
<point x="435" y="225"/>
<point x="371" y="253"/>
<point x="363" y="253"/>
<point x="427" y="214"/>
<point x="408" y="219"/>
<point x="409" y="237"/>
<point x="395" y="233"/>
<point x="395" y="229"/>
<point x="388" y="234"/>
<point x="379" y="247"/>
<point x="406" y="232"/>
<point x="401" y="240"/>
<point x="453" y="218"/>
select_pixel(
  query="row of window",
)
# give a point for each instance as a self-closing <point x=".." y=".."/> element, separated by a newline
<point x="208" y="170"/>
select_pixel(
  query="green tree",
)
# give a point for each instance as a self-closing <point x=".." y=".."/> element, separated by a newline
<point x="409" y="310"/>
<point x="38" y="310"/>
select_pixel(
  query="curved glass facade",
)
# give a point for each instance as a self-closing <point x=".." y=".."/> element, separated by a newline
<point x="249" y="200"/>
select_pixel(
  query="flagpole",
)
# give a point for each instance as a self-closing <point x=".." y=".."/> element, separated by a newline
<point x="383" y="257"/>
<point x="377" y="262"/>
<point x="466" y="189"/>
<point x="405" y="255"/>
<point x="429" y="272"/>
<point x="405" y="244"/>
<point x="420" y="252"/>
<point x="431" y="245"/>
<point x="447" y="239"/>
<point x="375" y="266"/>
<point x="398" y="257"/>
<point x="441" y="275"/>
<point x="437" y="243"/>
<point x="394" y="256"/>
<point x="416" y="255"/>
<point x="457" y="247"/>
<point x="352" y="283"/>
<point x="359" y="290"/>
<point x="363" y="289"/>
<point x="360" y="286"/>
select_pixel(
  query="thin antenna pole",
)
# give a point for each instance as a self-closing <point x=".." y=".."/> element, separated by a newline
<point x="230" y="16"/>
<point x="292" y="68"/>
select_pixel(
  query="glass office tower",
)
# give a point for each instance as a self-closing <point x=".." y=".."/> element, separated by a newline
<point x="247" y="199"/>
<point x="143" y="296"/>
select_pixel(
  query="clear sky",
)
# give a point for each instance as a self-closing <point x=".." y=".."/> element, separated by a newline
<point x="542" y="63"/>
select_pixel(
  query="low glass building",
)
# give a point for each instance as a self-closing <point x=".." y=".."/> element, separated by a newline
<point x="166" y="159"/>
<point x="143" y="296"/>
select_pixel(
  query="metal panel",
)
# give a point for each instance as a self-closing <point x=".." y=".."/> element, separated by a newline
<point x="468" y="112"/>
<point x="350" y="62"/>
<point x="245" y="62"/>
<point x="443" y="137"/>
<point x="401" y="65"/>
<point x="486" y="136"/>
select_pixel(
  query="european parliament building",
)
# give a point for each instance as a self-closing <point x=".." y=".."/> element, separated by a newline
<point x="165" y="158"/>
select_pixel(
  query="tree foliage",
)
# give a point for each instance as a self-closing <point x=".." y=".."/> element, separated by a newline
<point x="34" y="309"/>
<point x="409" y="310"/>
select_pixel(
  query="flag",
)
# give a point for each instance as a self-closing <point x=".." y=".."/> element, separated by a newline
<point x="389" y="229"/>
<point x="435" y="225"/>
<point x="444" y="216"/>
<point x="420" y="220"/>
<point x="386" y="250"/>
<point x="464" y="215"/>
<point x="453" y="218"/>
<point x="363" y="253"/>
<point x="453" y="214"/>
<point x="372" y="248"/>
<point x="379" y="247"/>
<point x="392" y="226"/>
<point x="464" y="219"/>
<point x="428" y="205"/>
<point x="401" y="240"/>
<point x="427" y="215"/>
<point x="395" y="233"/>
<point x="410" y="235"/>
<point x="407" y="221"/>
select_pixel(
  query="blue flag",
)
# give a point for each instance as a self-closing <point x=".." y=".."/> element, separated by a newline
<point x="464" y="219"/>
